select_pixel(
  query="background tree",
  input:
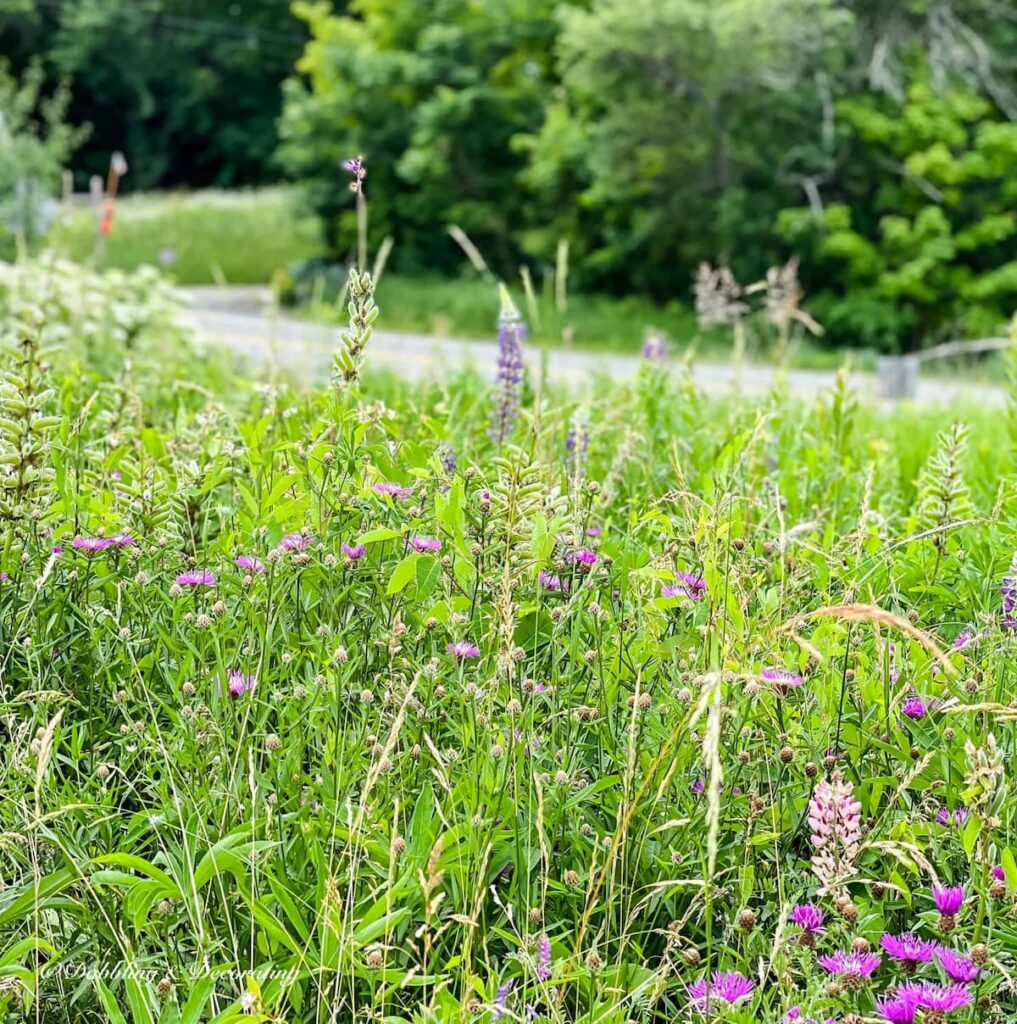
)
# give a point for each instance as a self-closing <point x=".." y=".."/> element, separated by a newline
<point x="189" y="91"/>
<point x="432" y="95"/>
<point x="35" y="145"/>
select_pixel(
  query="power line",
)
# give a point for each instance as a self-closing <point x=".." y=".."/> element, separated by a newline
<point x="282" y="41"/>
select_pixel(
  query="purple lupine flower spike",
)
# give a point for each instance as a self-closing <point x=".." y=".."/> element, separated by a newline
<point x="1008" y="592"/>
<point x="511" y="332"/>
<point x="500" y="1005"/>
<point x="544" y="958"/>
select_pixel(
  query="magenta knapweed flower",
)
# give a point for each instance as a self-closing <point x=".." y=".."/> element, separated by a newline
<point x="781" y="678"/>
<point x="896" y="1010"/>
<point x="687" y="585"/>
<point x="957" y="967"/>
<point x="238" y="684"/>
<point x="963" y="638"/>
<point x="938" y="999"/>
<point x="295" y="542"/>
<point x="355" y="166"/>
<point x="835" y="821"/>
<point x="724" y="986"/>
<point x="998" y="873"/>
<point x="583" y="556"/>
<point x="794" y="1016"/>
<point x="809" y="918"/>
<point x="593" y="531"/>
<point x="396" y="491"/>
<point x="908" y="948"/>
<point x="914" y="707"/>
<point x="549" y="581"/>
<point x="58" y="549"/>
<point x="462" y="649"/>
<point x="948" y="898"/>
<point x="354" y="552"/>
<point x="90" y="545"/>
<point x="250" y="564"/>
<point x="851" y="964"/>
<point x="196" y="578"/>
<point x="425" y="544"/>
<point x="944" y="816"/>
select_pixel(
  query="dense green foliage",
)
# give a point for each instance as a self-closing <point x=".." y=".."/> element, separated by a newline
<point x="321" y="706"/>
<point x="188" y="90"/>
<point x="872" y="140"/>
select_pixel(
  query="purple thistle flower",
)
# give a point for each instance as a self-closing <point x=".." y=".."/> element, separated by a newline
<point x="396" y="491"/>
<point x="582" y="556"/>
<point x="852" y="964"/>
<point x="354" y="552"/>
<point x="295" y="542"/>
<point x="908" y="948"/>
<point x="425" y="544"/>
<point x="698" y="786"/>
<point x="687" y="585"/>
<point x="781" y="678"/>
<point x="593" y="531"/>
<point x="509" y="375"/>
<point x="939" y="999"/>
<point x="196" y="578"/>
<point x="250" y="564"/>
<point x="896" y="1010"/>
<point x="914" y="707"/>
<point x="730" y="987"/>
<point x="808" y="917"/>
<point x="463" y="649"/>
<point x="237" y="684"/>
<point x="4" y="577"/>
<point x="948" y="899"/>
<point x="957" y="967"/>
<point x="544" y="958"/>
<point x="998" y="873"/>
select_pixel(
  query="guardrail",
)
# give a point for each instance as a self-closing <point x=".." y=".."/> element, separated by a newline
<point x="897" y="376"/>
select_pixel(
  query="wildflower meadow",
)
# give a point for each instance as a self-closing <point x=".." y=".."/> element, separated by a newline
<point x="475" y="700"/>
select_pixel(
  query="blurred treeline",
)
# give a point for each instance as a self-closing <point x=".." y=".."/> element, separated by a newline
<point x="874" y="139"/>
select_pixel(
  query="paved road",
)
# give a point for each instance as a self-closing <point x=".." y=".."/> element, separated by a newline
<point x="241" y="318"/>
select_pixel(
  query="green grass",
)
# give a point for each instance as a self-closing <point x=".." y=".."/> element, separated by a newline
<point x="215" y="237"/>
